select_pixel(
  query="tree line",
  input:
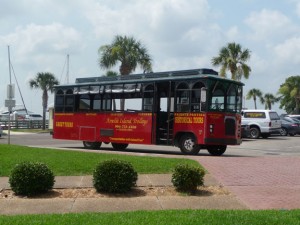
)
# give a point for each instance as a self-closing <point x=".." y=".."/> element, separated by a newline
<point x="131" y="53"/>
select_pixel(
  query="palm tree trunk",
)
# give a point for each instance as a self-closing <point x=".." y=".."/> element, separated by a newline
<point x="45" y="103"/>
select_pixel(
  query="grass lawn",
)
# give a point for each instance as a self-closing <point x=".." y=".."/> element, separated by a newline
<point x="211" y="217"/>
<point x="67" y="163"/>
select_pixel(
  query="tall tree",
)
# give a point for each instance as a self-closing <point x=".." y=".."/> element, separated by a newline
<point x="269" y="100"/>
<point x="254" y="94"/>
<point x="127" y="51"/>
<point x="290" y="94"/>
<point x="233" y="58"/>
<point x="45" y="82"/>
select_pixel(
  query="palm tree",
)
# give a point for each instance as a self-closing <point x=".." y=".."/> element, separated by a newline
<point x="233" y="58"/>
<point x="269" y="100"/>
<point x="45" y="82"/>
<point x="127" y="51"/>
<point x="254" y="93"/>
<point x="290" y="91"/>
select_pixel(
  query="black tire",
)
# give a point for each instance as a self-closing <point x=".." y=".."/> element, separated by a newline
<point x="292" y="134"/>
<point x="254" y="132"/>
<point x="265" y="135"/>
<point x="283" y="131"/>
<point x="216" y="150"/>
<point x="91" y="145"/>
<point x="119" y="146"/>
<point x="187" y="145"/>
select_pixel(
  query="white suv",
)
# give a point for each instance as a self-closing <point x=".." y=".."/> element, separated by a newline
<point x="262" y="122"/>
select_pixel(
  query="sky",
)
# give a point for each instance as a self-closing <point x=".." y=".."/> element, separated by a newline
<point x="179" y="35"/>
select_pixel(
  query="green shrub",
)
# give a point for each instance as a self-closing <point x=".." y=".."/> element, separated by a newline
<point x="187" y="178"/>
<point x="31" y="178"/>
<point x="114" y="176"/>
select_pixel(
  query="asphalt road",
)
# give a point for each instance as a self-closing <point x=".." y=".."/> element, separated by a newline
<point x="273" y="146"/>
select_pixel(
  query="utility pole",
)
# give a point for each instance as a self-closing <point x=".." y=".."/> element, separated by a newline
<point x="10" y="102"/>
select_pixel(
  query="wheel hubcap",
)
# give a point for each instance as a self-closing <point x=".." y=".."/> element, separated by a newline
<point x="189" y="144"/>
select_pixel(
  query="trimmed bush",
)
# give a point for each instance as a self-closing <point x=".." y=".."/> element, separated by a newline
<point x="31" y="178"/>
<point x="187" y="178"/>
<point x="114" y="176"/>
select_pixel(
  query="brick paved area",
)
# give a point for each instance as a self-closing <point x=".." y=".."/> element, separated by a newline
<point x="259" y="182"/>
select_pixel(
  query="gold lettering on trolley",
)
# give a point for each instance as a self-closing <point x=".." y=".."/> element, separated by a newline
<point x="183" y="120"/>
<point x="64" y="114"/>
<point x="127" y="124"/>
<point x="215" y="116"/>
<point x="127" y="139"/>
<point x="198" y="119"/>
<point x="189" y="114"/>
<point x="144" y="114"/>
<point x="90" y="114"/>
<point x="189" y="118"/>
<point x="64" y="124"/>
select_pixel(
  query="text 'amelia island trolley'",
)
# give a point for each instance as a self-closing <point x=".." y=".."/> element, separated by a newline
<point x="192" y="109"/>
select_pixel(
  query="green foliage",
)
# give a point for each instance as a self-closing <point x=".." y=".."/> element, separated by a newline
<point x="269" y="99"/>
<point x="233" y="58"/>
<point x="114" y="176"/>
<point x="254" y="93"/>
<point x="187" y="178"/>
<point x="290" y="95"/>
<point x="31" y="178"/>
<point x="126" y="50"/>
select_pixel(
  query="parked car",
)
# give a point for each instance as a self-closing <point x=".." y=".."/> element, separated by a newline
<point x="245" y="130"/>
<point x="4" y="116"/>
<point x="294" y="116"/>
<point x="289" y="126"/>
<point x="262" y="122"/>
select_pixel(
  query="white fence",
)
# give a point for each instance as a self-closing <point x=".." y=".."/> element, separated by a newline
<point x="23" y="124"/>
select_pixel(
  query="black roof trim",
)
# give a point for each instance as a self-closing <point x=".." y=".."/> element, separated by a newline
<point x="203" y="71"/>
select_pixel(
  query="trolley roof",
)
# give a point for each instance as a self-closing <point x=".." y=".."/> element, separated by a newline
<point x="150" y="77"/>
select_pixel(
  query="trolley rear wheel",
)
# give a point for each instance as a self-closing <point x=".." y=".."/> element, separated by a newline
<point x="216" y="150"/>
<point x="119" y="146"/>
<point x="91" y="145"/>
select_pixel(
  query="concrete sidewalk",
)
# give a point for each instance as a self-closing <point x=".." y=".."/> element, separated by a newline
<point x="115" y="204"/>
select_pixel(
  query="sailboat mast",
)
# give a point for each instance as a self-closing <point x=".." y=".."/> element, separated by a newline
<point x="68" y="68"/>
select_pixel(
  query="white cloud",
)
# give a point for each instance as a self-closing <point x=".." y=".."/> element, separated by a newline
<point x="233" y="33"/>
<point x="268" y="24"/>
<point x="162" y="19"/>
<point x="288" y="51"/>
<point x="298" y="9"/>
<point x="36" y="40"/>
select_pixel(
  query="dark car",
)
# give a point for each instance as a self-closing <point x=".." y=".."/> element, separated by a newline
<point x="245" y="131"/>
<point x="289" y="126"/>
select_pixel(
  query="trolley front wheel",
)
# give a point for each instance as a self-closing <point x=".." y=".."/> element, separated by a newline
<point x="91" y="145"/>
<point x="187" y="145"/>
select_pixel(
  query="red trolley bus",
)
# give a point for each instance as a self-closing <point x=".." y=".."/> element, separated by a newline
<point x="191" y="109"/>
